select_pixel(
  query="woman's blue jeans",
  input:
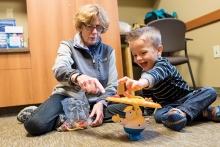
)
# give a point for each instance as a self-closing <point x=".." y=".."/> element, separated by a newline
<point x="44" y="117"/>
<point x="192" y="104"/>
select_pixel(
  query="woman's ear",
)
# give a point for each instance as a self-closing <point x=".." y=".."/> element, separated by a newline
<point x="159" y="50"/>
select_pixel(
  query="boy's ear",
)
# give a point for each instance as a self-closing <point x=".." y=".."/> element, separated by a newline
<point x="159" y="50"/>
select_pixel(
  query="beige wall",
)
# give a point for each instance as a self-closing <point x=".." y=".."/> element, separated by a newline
<point x="205" y="68"/>
<point x="131" y="11"/>
<point x="19" y="12"/>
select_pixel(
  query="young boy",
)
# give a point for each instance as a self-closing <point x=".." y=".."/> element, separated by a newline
<point x="163" y="83"/>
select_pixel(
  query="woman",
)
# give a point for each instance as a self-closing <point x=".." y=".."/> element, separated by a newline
<point x="86" y="64"/>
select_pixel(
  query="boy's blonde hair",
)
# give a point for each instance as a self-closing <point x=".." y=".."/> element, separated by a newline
<point x="149" y="33"/>
<point x="86" y="14"/>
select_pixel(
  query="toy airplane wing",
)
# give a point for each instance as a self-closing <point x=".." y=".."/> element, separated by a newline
<point x="135" y="100"/>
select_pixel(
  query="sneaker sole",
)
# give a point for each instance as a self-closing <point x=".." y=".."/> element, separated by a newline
<point x="23" y="110"/>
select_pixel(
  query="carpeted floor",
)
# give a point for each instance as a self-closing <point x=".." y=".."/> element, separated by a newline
<point x="197" y="134"/>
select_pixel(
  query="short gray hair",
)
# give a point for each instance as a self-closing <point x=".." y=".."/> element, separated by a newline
<point x="149" y="33"/>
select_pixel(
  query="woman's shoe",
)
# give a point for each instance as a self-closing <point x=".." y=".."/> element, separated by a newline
<point x="25" y="113"/>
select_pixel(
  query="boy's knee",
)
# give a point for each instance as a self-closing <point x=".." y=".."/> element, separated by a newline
<point x="208" y="91"/>
<point x="213" y="92"/>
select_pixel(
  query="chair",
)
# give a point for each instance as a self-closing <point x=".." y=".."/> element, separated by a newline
<point x="173" y="40"/>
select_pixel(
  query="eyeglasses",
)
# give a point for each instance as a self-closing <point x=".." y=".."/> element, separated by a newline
<point x="91" y="28"/>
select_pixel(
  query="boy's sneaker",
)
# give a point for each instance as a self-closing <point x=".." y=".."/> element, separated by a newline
<point x="25" y="113"/>
<point x="174" y="119"/>
<point x="212" y="113"/>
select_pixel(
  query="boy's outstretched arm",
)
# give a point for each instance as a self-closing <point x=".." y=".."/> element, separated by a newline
<point x="134" y="85"/>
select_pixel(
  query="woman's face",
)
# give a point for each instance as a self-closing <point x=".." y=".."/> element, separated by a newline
<point x="91" y="32"/>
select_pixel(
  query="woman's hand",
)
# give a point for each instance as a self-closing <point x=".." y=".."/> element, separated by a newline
<point x="133" y="85"/>
<point x="98" y="110"/>
<point x="89" y="84"/>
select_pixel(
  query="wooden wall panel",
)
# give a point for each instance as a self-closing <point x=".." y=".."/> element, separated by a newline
<point x="15" y="87"/>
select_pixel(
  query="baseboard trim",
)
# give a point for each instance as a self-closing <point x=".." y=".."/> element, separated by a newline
<point x="217" y="90"/>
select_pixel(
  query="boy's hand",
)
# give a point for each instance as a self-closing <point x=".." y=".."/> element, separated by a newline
<point x="133" y="85"/>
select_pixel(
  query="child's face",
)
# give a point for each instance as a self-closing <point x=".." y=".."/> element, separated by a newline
<point x="144" y="53"/>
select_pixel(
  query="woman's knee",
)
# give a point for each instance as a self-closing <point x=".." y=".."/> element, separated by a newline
<point x="35" y="126"/>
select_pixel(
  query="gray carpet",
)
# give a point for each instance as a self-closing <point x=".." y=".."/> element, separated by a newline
<point x="197" y="134"/>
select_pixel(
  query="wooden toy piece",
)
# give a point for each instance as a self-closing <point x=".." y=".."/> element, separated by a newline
<point x="126" y="94"/>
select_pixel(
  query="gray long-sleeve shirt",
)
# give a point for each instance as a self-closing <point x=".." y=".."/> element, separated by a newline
<point x="96" y="61"/>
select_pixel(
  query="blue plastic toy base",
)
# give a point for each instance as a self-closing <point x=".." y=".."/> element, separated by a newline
<point x="133" y="134"/>
<point x="134" y="137"/>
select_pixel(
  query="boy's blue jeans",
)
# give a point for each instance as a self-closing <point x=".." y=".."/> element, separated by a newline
<point x="192" y="104"/>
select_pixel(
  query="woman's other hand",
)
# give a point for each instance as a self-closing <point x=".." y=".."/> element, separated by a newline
<point x="98" y="111"/>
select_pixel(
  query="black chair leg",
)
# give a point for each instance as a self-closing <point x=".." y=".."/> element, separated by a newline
<point x="191" y="74"/>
